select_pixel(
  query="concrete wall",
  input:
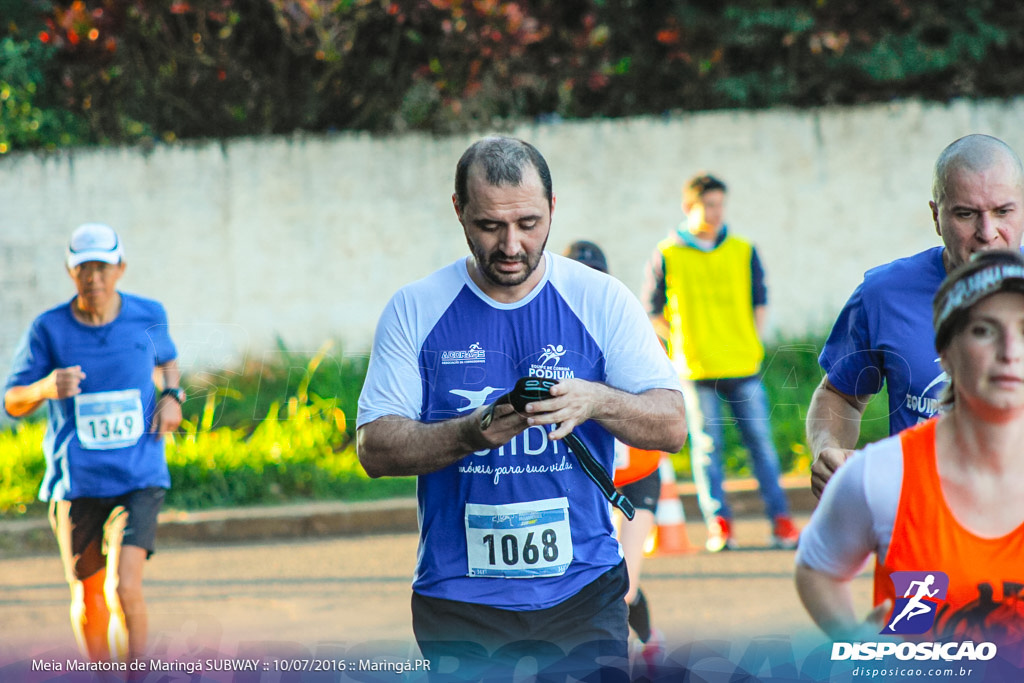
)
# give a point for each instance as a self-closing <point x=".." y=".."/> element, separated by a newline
<point x="308" y="237"/>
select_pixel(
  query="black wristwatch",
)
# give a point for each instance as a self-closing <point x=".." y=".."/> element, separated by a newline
<point x="177" y="393"/>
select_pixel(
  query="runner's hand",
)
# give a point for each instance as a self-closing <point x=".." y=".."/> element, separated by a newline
<point x="505" y="424"/>
<point x="572" y="403"/>
<point x="825" y="465"/>
<point x="64" y="382"/>
<point x="166" y="417"/>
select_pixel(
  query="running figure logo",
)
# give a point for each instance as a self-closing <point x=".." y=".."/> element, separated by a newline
<point x="551" y="352"/>
<point x="914" y="612"/>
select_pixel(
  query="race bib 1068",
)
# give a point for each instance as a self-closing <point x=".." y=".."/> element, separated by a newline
<point x="109" y="419"/>
<point x="519" y="540"/>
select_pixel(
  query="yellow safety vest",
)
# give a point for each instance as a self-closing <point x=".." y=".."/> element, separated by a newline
<point x="710" y="311"/>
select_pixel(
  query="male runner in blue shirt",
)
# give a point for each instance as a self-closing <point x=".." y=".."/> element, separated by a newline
<point x="516" y="541"/>
<point x="884" y="333"/>
<point x="92" y="361"/>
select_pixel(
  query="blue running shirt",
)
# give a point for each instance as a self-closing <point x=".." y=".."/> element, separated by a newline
<point x="525" y="511"/>
<point x="98" y="443"/>
<point x="884" y="334"/>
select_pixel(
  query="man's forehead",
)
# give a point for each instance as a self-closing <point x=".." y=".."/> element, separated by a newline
<point x="999" y="182"/>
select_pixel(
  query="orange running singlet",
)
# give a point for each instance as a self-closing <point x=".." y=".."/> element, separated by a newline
<point x="986" y="575"/>
<point x="636" y="464"/>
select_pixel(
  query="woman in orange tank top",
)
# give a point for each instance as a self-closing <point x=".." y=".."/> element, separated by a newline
<point x="941" y="504"/>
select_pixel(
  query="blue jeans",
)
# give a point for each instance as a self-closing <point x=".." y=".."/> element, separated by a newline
<point x="749" y="405"/>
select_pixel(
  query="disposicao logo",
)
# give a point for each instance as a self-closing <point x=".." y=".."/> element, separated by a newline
<point x="947" y="652"/>
<point x="917" y="602"/>
<point x="914" y="612"/>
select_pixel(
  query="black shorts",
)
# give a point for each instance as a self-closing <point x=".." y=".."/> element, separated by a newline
<point x="131" y="516"/>
<point x="584" y="634"/>
<point x="644" y="493"/>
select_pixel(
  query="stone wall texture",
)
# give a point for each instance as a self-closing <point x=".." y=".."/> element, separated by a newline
<point x="305" y="238"/>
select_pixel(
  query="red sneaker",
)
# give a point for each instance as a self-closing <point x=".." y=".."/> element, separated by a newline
<point x="720" y="535"/>
<point x="785" y="534"/>
<point x="653" y="653"/>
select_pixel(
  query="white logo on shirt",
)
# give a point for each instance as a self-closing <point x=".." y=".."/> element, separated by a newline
<point x="925" y="404"/>
<point x="551" y="352"/>
<point x="475" y="354"/>
<point x="475" y="398"/>
<point x="547" y="365"/>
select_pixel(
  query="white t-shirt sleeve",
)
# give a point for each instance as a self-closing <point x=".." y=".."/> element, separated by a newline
<point x="393" y="385"/>
<point x="637" y="361"/>
<point x="634" y="358"/>
<point x="856" y="514"/>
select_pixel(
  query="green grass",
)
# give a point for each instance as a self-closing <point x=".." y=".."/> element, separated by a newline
<point x="281" y="430"/>
<point x="301" y="449"/>
<point x="260" y="434"/>
<point x="247" y="396"/>
<point x="21" y="468"/>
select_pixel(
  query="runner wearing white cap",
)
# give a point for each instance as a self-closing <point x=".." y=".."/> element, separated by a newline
<point x="92" y="360"/>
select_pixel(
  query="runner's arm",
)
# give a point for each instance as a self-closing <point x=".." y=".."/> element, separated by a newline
<point x="20" y="401"/>
<point x="833" y="427"/>
<point x="760" y="320"/>
<point x="394" y="446"/>
<point x="167" y="415"/>
<point x="829" y="602"/>
<point x="167" y="375"/>
<point x="654" y="419"/>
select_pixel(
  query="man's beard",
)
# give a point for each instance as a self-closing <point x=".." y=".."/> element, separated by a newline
<point x="486" y="264"/>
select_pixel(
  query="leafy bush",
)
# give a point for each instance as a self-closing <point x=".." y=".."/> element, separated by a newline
<point x="246" y="395"/>
<point x="275" y="432"/>
<point x="30" y="117"/>
<point x="135" y="70"/>
<point x="301" y="450"/>
<point x="21" y="467"/>
<point x="303" y="456"/>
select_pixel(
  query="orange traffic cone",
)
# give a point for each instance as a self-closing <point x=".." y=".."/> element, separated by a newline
<point x="670" y="537"/>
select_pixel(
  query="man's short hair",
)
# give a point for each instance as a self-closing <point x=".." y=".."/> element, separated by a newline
<point x="503" y="160"/>
<point x="696" y="186"/>
<point x="975" y="153"/>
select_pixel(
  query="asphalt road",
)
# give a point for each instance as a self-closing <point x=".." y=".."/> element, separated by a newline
<point x="321" y="597"/>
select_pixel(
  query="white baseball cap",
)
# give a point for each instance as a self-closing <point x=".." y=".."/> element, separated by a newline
<point x="94" y="242"/>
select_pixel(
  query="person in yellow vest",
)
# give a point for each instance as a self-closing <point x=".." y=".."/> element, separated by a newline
<point x="706" y="295"/>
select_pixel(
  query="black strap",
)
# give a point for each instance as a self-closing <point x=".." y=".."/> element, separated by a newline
<point x="529" y="389"/>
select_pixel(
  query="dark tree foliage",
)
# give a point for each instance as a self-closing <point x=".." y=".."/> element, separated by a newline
<point x="96" y="71"/>
<point x="32" y="113"/>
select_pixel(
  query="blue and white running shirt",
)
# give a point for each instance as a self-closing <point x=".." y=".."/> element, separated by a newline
<point x="525" y="510"/>
<point x="98" y="443"/>
<point x="884" y="334"/>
